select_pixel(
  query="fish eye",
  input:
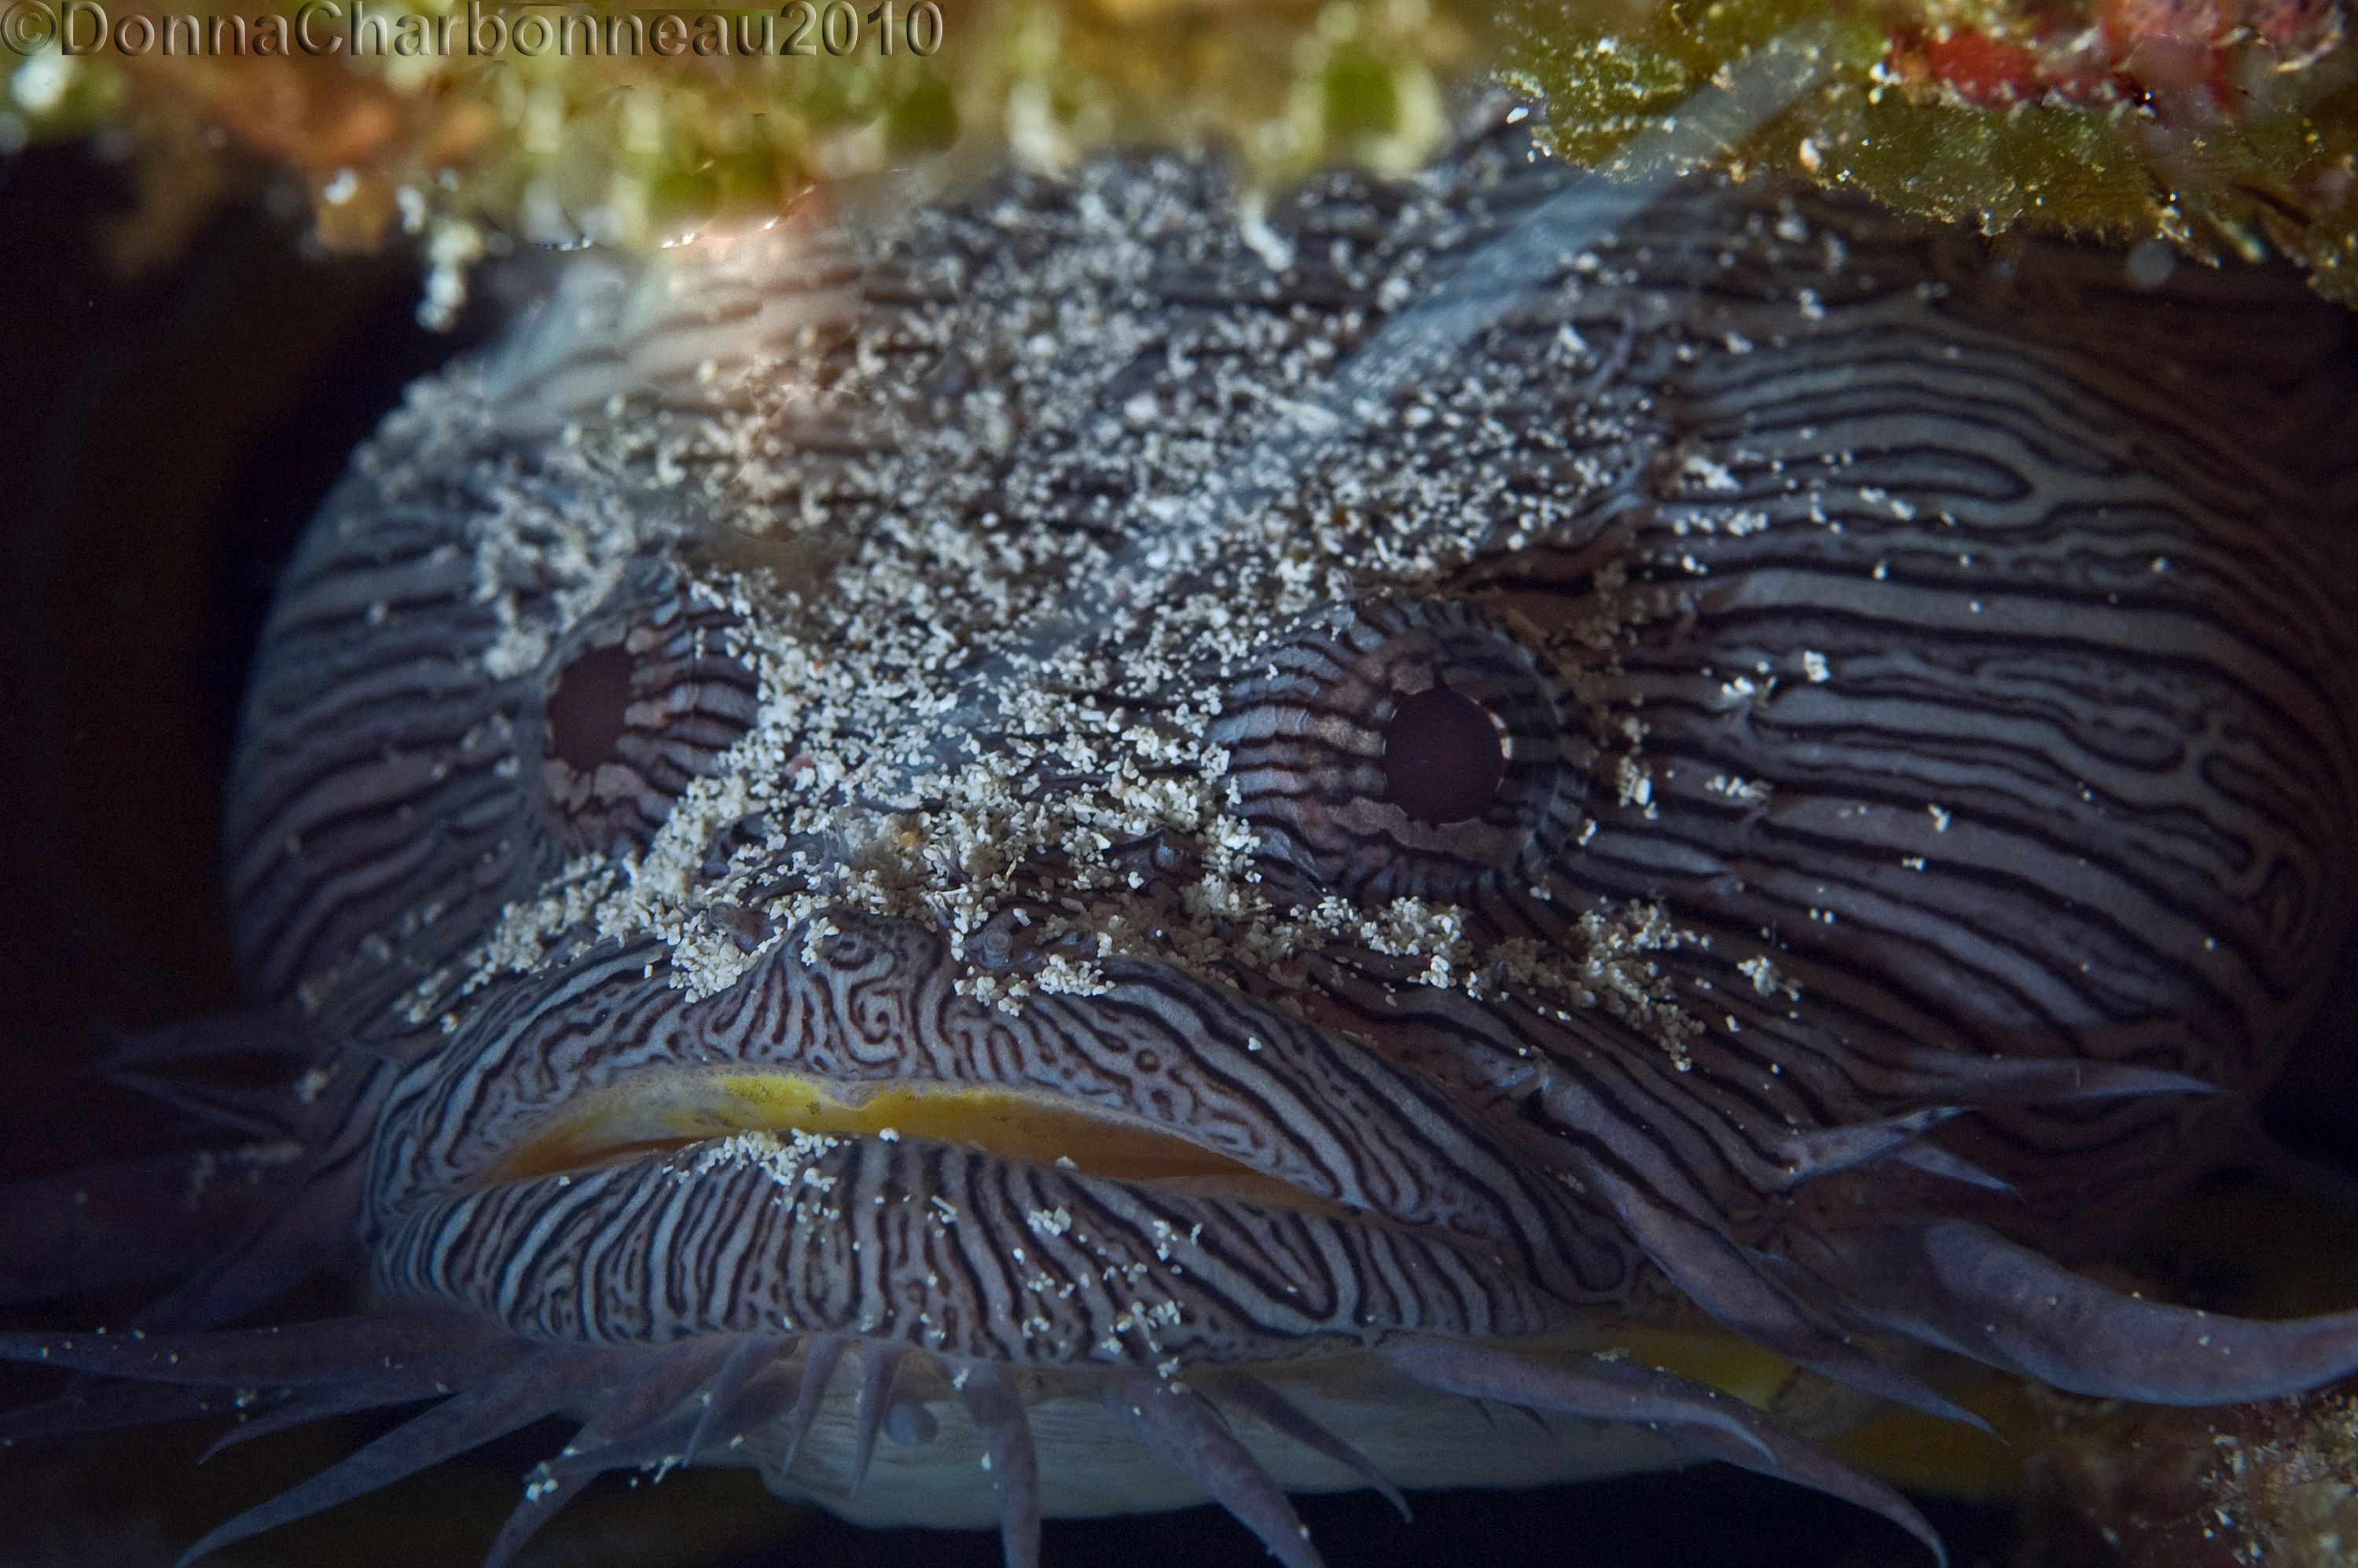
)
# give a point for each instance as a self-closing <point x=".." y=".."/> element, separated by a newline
<point x="634" y="709"/>
<point x="1445" y="756"/>
<point x="1404" y="747"/>
<point x="590" y="708"/>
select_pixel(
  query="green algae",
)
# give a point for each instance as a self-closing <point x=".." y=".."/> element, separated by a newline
<point x="461" y="153"/>
<point x="2242" y="146"/>
<point x="2223" y="127"/>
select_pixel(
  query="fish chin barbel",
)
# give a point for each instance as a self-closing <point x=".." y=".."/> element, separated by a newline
<point x="821" y="890"/>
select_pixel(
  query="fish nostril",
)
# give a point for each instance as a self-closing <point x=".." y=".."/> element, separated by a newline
<point x="588" y="712"/>
<point x="1445" y="756"/>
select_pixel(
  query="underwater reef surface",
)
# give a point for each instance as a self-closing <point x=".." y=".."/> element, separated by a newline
<point x="2211" y="127"/>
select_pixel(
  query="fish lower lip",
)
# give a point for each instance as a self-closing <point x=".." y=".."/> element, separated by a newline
<point x="899" y="1241"/>
<point x="662" y="1113"/>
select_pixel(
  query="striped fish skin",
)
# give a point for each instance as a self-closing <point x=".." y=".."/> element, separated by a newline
<point x="1806" y="778"/>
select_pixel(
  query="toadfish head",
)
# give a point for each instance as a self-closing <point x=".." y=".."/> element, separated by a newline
<point x="1148" y="855"/>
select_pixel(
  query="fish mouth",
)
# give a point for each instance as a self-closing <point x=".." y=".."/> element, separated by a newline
<point x="1162" y="1082"/>
<point x="1162" y="1173"/>
<point x="671" y="1113"/>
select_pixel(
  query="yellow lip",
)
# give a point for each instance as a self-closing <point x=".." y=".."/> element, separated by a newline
<point x="666" y="1111"/>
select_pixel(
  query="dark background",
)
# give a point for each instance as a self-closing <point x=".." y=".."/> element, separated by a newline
<point x="163" y="440"/>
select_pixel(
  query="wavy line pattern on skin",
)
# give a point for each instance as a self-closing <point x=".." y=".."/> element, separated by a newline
<point x="1802" y="786"/>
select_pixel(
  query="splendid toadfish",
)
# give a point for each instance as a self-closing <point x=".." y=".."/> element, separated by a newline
<point x="1058" y="855"/>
